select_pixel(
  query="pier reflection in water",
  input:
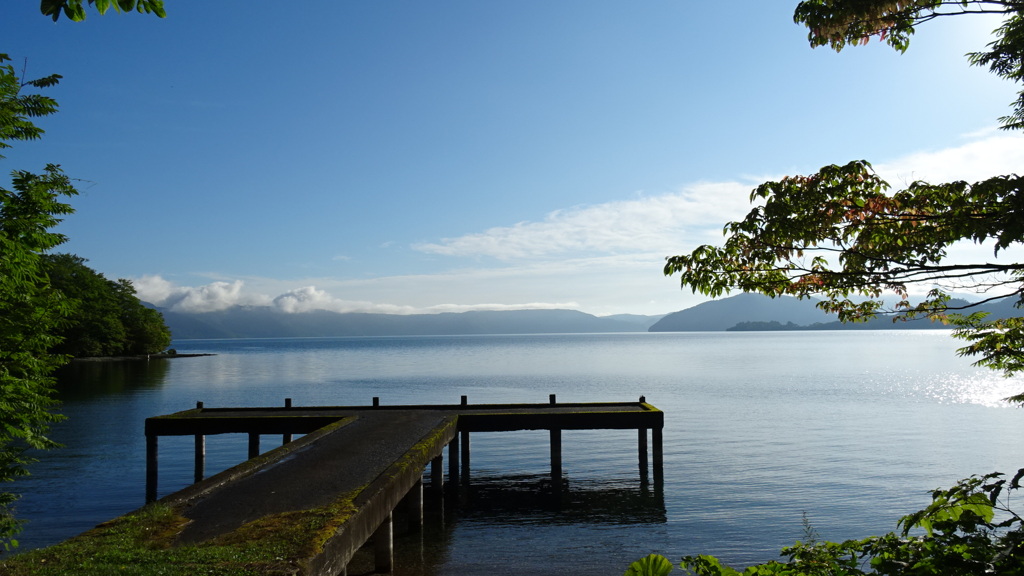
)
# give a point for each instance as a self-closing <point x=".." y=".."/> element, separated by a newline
<point x="506" y="511"/>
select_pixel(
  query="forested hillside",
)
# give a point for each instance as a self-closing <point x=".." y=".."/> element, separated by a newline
<point x="106" y="318"/>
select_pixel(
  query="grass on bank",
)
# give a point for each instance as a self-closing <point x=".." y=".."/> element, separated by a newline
<point x="141" y="544"/>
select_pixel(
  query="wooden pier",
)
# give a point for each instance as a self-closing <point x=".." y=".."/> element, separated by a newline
<point x="374" y="457"/>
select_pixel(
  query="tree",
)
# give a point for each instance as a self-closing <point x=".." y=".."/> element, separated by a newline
<point x="841" y="235"/>
<point x="147" y="333"/>
<point x="107" y="318"/>
<point x="74" y="10"/>
<point x="839" y="23"/>
<point x="29" y="310"/>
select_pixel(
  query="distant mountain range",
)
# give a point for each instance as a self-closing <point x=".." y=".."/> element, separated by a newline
<point x="723" y="314"/>
<point x="266" y="322"/>
<point x="756" y="312"/>
<point x="740" y="312"/>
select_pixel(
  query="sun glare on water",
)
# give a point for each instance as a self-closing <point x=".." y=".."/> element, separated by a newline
<point x="989" y="390"/>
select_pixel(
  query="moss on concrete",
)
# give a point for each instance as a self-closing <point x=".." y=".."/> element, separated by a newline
<point x="299" y="534"/>
<point x="143" y="544"/>
<point x="139" y="544"/>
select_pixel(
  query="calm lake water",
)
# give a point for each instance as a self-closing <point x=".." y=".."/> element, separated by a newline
<point x="850" y="429"/>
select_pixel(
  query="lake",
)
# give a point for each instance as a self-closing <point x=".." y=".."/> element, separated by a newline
<point x="848" y="429"/>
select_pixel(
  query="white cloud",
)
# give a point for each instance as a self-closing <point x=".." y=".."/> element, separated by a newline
<point x="222" y="295"/>
<point x="309" y="298"/>
<point x="987" y="153"/>
<point x="209" y="298"/>
<point x="648" y="224"/>
<point x="304" y="300"/>
<point x="153" y="289"/>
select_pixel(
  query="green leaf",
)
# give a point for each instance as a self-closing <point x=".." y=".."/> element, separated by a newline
<point x="51" y="8"/>
<point x="74" y="11"/>
<point x="651" y="565"/>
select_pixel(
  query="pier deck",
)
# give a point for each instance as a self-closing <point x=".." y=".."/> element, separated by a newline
<point x="371" y="458"/>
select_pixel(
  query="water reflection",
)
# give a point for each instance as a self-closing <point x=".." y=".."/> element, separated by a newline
<point x="493" y="508"/>
<point x="84" y="380"/>
<point x="527" y="498"/>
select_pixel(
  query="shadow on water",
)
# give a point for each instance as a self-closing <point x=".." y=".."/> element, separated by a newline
<point x="527" y="498"/>
<point x="82" y="380"/>
<point x="492" y="504"/>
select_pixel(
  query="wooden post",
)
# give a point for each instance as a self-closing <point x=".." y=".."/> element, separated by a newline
<point x="464" y="401"/>
<point x="437" y="472"/>
<point x="383" y="547"/>
<point x="286" y="438"/>
<point x="254" y="445"/>
<point x="551" y="399"/>
<point x="556" y="460"/>
<point x="376" y="401"/>
<point x="151" y="467"/>
<point x="200" y="460"/>
<point x="642" y="450"/>
<point x="453" y="462"/>
<point x="465" y="456"/>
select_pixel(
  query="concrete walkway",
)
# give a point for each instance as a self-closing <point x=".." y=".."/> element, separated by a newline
<point x="312" y="475"/>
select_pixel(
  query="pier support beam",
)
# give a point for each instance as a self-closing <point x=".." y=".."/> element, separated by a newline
<point x="200" y="461"/>
<point x="286" y="438"/>
<point x="383" y="547"/>
<point x="414" y="507"/>
<point x="437" y="472"/>
<point x="556" y="459"/>
<point x="453" y="462"/>
<point x="200" y="466"/>
<point x="642" y="451"/>
<point x="658" y="454"/>
<point x="254" y="445"/>
<point x="465" y="456"/>
<point x="151" y="467"/>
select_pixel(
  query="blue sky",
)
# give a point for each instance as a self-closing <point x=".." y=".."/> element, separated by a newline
<point x="452" y="155"/>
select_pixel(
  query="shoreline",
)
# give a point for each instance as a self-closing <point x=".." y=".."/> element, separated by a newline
<point x="146" y="357"/>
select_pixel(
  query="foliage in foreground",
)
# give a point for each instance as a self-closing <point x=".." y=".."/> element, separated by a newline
<point x="74" y="10"/>
<point x="967" y="529"/>
<point x="30" y="310"/>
